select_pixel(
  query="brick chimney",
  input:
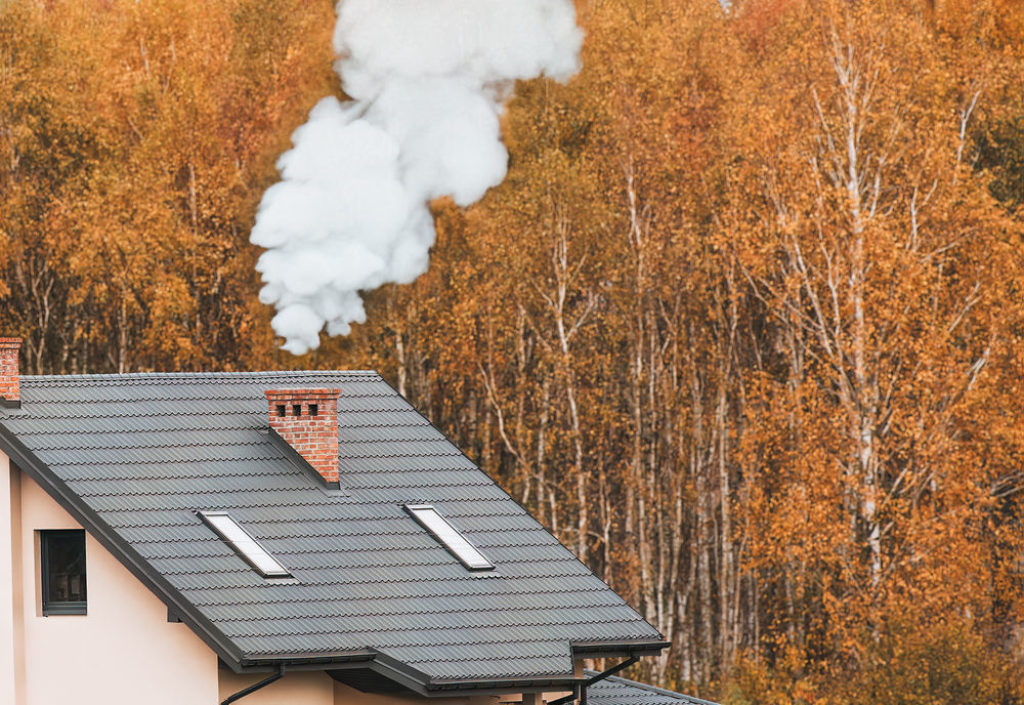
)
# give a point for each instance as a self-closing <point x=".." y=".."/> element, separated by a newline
<point x="10" y="379"/>
<point x="307" y="419"/>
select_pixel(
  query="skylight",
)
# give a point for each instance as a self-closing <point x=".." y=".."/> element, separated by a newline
<point x="449" y="536"/>
<point x="244" y="544"/>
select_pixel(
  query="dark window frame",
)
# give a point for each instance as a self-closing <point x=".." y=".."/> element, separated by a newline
<point x="54" y="607"/>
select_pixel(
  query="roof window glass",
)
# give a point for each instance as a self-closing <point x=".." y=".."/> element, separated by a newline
<point x="449" y="536"/>
<point x="244" y="544"/>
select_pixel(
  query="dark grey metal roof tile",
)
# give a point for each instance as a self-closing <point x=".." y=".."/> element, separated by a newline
<point x="406" y="464"/>
<point x="396" y="449"/>
<point x="573" y="592"/>
<point x="146" y="451"/>
<point x="413" y="479"/>
<point x="391" y="433"/>
<point x="40" y="426"/>
<point x="108" y="440"/>
<point x="479" y="496"/>
<point x="227" y="500"/>
<point x="379" y="418"/>
<point x="376" y="404"/>
<point x="184" y="470"/>
<point x="182" y="486"/>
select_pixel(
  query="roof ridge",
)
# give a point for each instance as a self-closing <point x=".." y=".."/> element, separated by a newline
<point x="128" y="376"/>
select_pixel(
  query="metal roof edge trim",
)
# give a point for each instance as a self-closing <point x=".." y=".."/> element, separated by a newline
<point x="403" y="674"/>
<point x="417" y="681"/>
<point x="306" y="662"/>
<point x="610" y="648"/>
<point x="28" y="463"/>
<point x="505" y="686"/>
<point x="391" y="668"/>
<point x="479" y="685"/>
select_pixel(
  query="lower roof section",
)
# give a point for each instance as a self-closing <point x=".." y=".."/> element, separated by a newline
<point x="620" y="691"/>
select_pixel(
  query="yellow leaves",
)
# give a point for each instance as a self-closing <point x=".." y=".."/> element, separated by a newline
<point x="136" y="163"/>
<point x="744" y="321"/>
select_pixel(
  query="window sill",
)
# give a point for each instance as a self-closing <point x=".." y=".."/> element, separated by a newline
<point x="65" y="608"/>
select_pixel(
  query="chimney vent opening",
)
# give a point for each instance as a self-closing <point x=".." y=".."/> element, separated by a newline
<point x="280" y="410"/>
<point x="296" y="409"/>
<point x="314" y="409"/>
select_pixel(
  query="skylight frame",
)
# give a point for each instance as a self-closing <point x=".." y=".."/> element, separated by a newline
<point x="449" y="537"/>
<point x="241" y="541"/>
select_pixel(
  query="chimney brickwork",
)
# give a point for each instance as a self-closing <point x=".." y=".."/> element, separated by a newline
<point x="307" y="419"/>
<point x="10" y="377"/>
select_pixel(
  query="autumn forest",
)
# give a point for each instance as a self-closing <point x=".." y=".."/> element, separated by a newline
<point x="743" y="326"/>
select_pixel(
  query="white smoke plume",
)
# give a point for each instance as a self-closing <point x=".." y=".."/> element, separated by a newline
<point x="427" y="79"/>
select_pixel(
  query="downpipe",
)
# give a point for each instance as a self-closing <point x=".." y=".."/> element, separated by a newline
<point x="580" y="691"/>
<point x="254" y="687"/>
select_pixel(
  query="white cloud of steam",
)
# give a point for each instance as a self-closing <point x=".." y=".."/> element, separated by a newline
<point x="428" y="79"/>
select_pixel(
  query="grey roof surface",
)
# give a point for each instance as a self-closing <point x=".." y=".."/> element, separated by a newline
<point x="146" y="451"/>
<point x="620" y="691"/>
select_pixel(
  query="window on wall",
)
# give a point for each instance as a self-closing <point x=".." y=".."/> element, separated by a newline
<point x="62" y="558"/>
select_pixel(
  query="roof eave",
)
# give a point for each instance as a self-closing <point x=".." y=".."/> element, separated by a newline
<point x="421" y="683"/>
<point x="624" y="649"/>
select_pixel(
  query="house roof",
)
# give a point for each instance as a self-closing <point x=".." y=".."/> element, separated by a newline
<point x="620" y="691"/>
<point x="135" y="456"/>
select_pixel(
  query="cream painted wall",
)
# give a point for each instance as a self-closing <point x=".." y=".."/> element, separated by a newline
<point x="124" y="652"/>
<point x="10" y="632"/>
<point x="347" y="695"/>
<point x="295" y="688"/>
<point x="317" y="688"/>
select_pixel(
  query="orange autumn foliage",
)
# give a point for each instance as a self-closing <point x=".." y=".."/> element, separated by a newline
<point x="743" y="326"/>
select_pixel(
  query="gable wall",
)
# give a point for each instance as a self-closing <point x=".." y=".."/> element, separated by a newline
<point x="123" y="652"/>
<point x="12" y="660"/>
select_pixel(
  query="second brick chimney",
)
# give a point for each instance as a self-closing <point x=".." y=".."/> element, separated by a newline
<point x="10" y="376"/>
<point x="307" y="419"/>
